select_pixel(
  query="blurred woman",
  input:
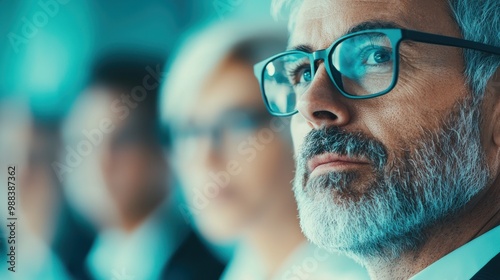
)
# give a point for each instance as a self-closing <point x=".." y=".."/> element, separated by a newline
<point x="235" y="161"/>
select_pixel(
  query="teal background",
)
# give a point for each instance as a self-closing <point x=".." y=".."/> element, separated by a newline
<point x="48" y="66"/>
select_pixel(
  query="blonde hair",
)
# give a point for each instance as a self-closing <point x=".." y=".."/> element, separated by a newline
<point x="205" y="50"/>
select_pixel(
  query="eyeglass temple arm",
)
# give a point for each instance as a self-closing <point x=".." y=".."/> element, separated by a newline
<point x="448" y="41"/>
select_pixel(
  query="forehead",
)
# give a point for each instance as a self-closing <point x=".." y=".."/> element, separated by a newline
<point x="232" y="86"/>
<point x="319" y="22"/>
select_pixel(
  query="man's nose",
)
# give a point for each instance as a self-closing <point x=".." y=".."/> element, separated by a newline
<point x="322" y="105"/>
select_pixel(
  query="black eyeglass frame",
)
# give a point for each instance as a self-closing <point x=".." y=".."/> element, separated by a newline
<point x="395" y="35"/>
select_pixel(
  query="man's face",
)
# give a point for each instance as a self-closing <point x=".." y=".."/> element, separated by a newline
<point x="374" y="174"/>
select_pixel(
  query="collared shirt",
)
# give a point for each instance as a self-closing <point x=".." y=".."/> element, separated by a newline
<point x="466" y="261"/>
<point x="141" y="254"/>
<point x="305" y="262"/>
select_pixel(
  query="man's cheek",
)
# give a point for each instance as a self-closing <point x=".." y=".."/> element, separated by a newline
<point x="299" y="130"/>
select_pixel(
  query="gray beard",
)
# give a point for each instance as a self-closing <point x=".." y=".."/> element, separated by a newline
<point x="431" y="179"/>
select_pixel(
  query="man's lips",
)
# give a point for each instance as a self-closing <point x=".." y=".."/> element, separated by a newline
<point x="333" y="161"/>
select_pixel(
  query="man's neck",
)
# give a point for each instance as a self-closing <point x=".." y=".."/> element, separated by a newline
<point x="481" y="215"/>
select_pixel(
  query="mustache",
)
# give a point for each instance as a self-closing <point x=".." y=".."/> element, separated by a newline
<point x="337" y="141"/>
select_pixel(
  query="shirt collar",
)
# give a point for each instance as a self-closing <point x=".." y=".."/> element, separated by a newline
<point x="129" y="254"/>
<point x="466" y="261"/>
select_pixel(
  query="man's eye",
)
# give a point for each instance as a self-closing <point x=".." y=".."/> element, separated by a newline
<point x="377" y="57"/>
<point x="300" y="75"/>
<point x="305" y="76"/>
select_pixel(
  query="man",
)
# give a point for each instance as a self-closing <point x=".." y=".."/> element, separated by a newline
<point x="120" y="180"/>
<point x="397" y="132"/>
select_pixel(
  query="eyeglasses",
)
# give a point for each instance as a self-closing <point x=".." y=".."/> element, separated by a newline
<point x="230" y="130"/>
<point x="361" y="65"/>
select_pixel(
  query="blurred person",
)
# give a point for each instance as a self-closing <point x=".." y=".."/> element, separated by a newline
<point x="396" y="130"/>
<point x="44" y="207"/>
<point x="29" y="143"/>
<point x="116" y="177"/>
<point x="235" y="162"/>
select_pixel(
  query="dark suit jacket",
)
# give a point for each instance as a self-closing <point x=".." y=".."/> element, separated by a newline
<point x="491" y="271"/>
<point x="73" y="242"/>
<point x="192" y="261"/>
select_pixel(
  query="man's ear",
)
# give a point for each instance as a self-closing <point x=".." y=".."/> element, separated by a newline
<point x="494" y="89"/>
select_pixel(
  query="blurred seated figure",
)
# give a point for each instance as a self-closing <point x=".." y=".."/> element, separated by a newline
<point x="235" y="161"/>
<point x="115" y="176"/>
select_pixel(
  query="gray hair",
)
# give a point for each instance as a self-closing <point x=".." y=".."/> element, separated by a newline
<point x="205" y="50"/>
<point x="478" y="20"/>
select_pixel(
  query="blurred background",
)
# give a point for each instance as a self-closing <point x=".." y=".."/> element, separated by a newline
<point x="47" y="47"/>
<point x="51" y="53"/>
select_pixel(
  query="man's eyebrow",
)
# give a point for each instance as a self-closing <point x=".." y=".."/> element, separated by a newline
<point x="372" y="24"/>
<point x="366" y="25"/>
<point x="304" y="48"/>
